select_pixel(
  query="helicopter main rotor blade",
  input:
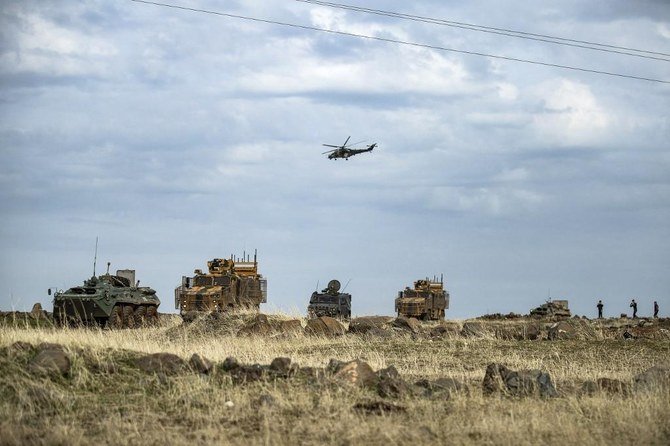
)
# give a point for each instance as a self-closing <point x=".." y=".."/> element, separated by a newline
<point x="335" y="150"/>
<point x="354" y="143"/>
<point x="345" y="142"/>
<point x="331" y="145"/>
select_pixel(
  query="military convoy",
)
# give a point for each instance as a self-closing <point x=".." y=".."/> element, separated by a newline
<point x="229" y="284"/>
<point x="427" y="301"/>
<point x="115" y="301"/>
<point x="330" y="302"/>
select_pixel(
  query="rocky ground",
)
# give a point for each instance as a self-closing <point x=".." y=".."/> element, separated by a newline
<point x="271" y="379"/>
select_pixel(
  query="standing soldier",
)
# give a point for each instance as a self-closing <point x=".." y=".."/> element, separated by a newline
<point x="600" y="309"/>
<point x="633" y="305"/>
<point x="655" y="309"/>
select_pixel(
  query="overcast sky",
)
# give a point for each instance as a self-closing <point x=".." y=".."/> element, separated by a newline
<point x="178" y="136"/>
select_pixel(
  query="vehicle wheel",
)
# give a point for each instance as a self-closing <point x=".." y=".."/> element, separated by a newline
<point x="140" y="316"/>
<point x="128" y="316"/>
<point x="151" y="317"/>
<point x="115" y="320"/>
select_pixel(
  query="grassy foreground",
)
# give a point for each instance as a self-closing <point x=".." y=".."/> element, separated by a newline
<point x="129" y="406"/>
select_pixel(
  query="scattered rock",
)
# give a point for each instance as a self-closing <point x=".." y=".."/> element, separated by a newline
<point x="50" y="361"/>
<point x="229" y="404"/>
<point x="561" y="330"/>
<point x="656" y="377"/>
<point x="166" y="363"/>
<point x="324" y="326"/>
<point x="409" y="324"/>
<point x="532" y="331"/>
<point x="258" y="326"/>
<point x="229" y="364"/>
<point x="391" y="384"/>
<point x="589" y="388"/>
<point x="200" y="364"/>
<point x="334" y="366"/>
<point x="282" y="366"/>
<point x="500" y="379"/>
<point x="290" y="327"/>
<point x="357" y="373"/>
<point x="379" y="408"/>
<point x="445" y="329"/>
<point x="362" y="325"/>
<point x="473" y="330"/>
<point x="247" y="373"/>
<point x="613" y="386"/>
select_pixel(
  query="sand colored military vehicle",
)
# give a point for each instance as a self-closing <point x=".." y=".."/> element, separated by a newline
<point x="557" y="309"/>
<point x="115" y="301"/>
<point x="426" y="301"/>
<point x="229" y="284"/>
<point x="330" y="302"/>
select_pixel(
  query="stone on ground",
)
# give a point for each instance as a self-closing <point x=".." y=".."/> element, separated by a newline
<point x="200" y="364"/>
<point x="324" y="326"/>
<point x="656" y="377"/>
<point x="50" y="361"/>
<point x="166" y="363"/>
<point x="500" y="379"/>
<point x="408" y="324"/>
<point x="357" y="373"/>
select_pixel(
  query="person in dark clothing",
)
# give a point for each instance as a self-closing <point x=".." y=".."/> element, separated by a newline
<point x="600" y="309"/>
<point x="633" y="305"/>
<point x="655" y="309"/>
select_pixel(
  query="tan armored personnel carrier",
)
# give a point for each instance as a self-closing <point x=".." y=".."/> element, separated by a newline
<point x="229" y="284"/>
<point x="557" y="309"/>
<point x="427" y="300"/>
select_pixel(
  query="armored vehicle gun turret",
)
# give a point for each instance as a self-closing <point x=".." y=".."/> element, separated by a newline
<point x="330" y="302"/>
<point x="229" y="284"/>
<point x="426" y="301"/>
<point x="552" y="309"/>
<point x="115" y="301"/>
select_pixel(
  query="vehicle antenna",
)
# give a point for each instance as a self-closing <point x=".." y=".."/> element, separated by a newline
<point x="317" y="286"/>
<point x="95" y="257"/>
<point x="345" y="286"/>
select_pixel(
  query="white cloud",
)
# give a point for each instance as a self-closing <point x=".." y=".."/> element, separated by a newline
<point x="571" y="114"/>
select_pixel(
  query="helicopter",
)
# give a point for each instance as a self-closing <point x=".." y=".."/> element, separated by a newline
<point x="345" y="152"/>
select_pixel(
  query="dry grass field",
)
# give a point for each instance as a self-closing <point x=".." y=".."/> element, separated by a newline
<point x="124" y="405"/>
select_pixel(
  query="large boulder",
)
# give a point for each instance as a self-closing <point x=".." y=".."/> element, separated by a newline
<point x="291" y="327"/>
<point x="357" y="373"/>
<point x="258" y="326"/>
<point x="50" y="360"/>
<point x="166" y="363"/>
<point x="656" y="377"/>
<point x="561" y="330"/>
<point x="408" y="324"/>
<point x="324" y="326"/>
<point x="500" y="379"/>
<point x="361" y="325"/>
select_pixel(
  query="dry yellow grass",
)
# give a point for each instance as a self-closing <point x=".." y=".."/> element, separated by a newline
<point x="131" y="407"/>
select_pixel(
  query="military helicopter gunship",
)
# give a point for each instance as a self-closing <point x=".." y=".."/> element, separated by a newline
<point x="114" y="301"/>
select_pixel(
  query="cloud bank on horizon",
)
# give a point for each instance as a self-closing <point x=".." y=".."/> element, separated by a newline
<point x="177" y="137"/>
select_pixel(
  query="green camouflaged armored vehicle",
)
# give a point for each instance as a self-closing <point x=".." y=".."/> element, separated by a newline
<point x="115" y="301"/>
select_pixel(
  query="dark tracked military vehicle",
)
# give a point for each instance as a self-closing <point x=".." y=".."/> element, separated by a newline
<point x="330" y="302"/>
<point x="552" y="309"/>
<point x="115" y="301"/>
